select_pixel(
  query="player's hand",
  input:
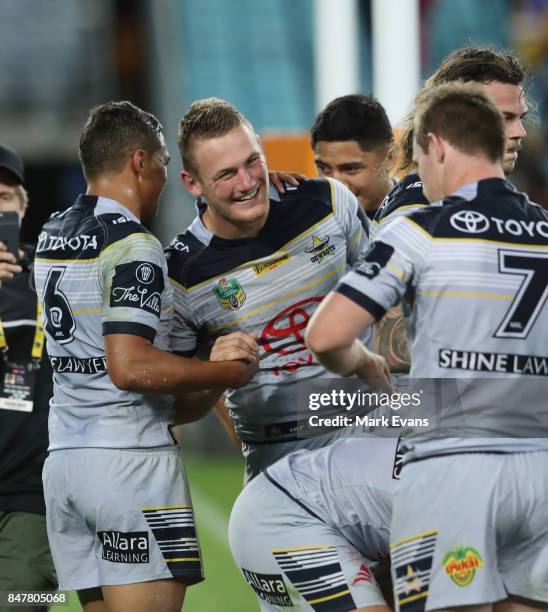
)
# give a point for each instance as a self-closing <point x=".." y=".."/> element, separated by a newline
<point x="8" y="264"/>
<point x="375" y="370"/>
<point x="235" y="346"/>
<point x="243" y="350"/>
<point x="279" y="178"/>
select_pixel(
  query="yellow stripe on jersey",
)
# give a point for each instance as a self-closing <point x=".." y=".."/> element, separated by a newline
<point x="416" y="536"/>
<point x="93" y="311"/>
<point x="468" y="294"/>
<point x="408" y="220"/>
<point x="64" y="261"/>
<point x="332" y="188"/>
<point x="329" y="597"/>
<point x="166" y="508"/>
<point x="316" y="281"/>
<point x="413" y="598"/>
<point x="356" y="238"/>
<point x="397" y="271"/>
<point x="282" y="550"/>
<point x="389" y="216"/>
<point x="134" y="237"/>
<point x="516" y="245"/>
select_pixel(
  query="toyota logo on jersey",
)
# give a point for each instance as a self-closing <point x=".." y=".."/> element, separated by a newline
<point x="284" y="334"/>
<point x="470" y="221"/>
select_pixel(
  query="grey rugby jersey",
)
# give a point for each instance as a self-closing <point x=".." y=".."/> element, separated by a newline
<point x="98" y="271"/>
<point x="343" y="486"/>
<point x="270" y="285"/>
<point x="472" y="274"/>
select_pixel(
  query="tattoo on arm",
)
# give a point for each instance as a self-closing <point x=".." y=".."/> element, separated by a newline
<point x="391" y="340"/>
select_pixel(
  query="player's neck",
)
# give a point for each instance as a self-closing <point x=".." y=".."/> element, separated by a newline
<point x="471" y="172"/>
<point x="123" y="194"/>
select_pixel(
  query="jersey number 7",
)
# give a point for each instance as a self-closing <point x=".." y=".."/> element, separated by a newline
<point x="531" y="295"/>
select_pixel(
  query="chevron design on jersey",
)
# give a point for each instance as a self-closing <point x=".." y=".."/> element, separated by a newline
<point x="175" y="531"/>
<point x="412" y="566"/>
<point x="316" y="573"/>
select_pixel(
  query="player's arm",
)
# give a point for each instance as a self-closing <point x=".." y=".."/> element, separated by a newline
<point x="137" y="300"/>
<point x="364" y="295"/>
<point x="134" y="364"/>
<point x="391" y="340"/>
<point x="234" y="347"/>
<point x="389" y="333"/>
<point x="332" y="336"/>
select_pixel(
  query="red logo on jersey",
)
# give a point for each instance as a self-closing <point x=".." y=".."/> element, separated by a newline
<point x="284" y="334"/>
<point x="364" y="575"/>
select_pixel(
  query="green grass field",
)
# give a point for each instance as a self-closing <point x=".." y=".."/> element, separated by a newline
<point x="215" y="484"/>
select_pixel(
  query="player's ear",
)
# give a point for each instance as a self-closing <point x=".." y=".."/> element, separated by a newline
<point x="439" y="146"/>
<point x="191" y="183"/>
<point x="137" y="161"/>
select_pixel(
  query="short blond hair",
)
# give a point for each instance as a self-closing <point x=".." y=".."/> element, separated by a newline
<point x="205" y="119"/>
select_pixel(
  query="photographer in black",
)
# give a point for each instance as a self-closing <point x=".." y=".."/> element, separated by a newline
<point x="25" y="389"/>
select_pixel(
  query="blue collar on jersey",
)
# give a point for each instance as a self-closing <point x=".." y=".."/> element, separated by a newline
<point x="198" y="228"/>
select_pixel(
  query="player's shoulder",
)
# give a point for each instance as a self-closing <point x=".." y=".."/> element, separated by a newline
<point x="316" y="199"/>
<point x="491" y="209"/>
<point x="312" y="192"/>
<point x="406" y="195"/>
<point x="118" y="227"/>
<point x="310" y="188"/>
<point x="184" y="248"/>
<point x="437" y="214"/>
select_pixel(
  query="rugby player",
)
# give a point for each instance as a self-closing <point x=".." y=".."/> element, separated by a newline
<point x="119" y="513"/>
<point x="469" y="525"/>
<point x="352" y="142"/>
<point x="503" y="78"/>
<point x="255" y="260"/>
<point x="312" y="531"/>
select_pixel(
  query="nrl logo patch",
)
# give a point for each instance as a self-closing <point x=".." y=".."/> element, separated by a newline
<point x="320" y="249"/>
<point x="461" y="565"/>
<point x="230" y="294"/>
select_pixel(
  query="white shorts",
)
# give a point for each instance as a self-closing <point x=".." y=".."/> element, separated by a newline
<point x="291" y="558"/>
<point x="120" y="516"/>
<point x="262" y="455"/>
<point x="470" y="528"/>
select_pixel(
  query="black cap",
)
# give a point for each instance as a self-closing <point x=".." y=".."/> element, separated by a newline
<point x="12" y="163"/>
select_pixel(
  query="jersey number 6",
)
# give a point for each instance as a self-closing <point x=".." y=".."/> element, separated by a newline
<point x="60" y="323"/>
